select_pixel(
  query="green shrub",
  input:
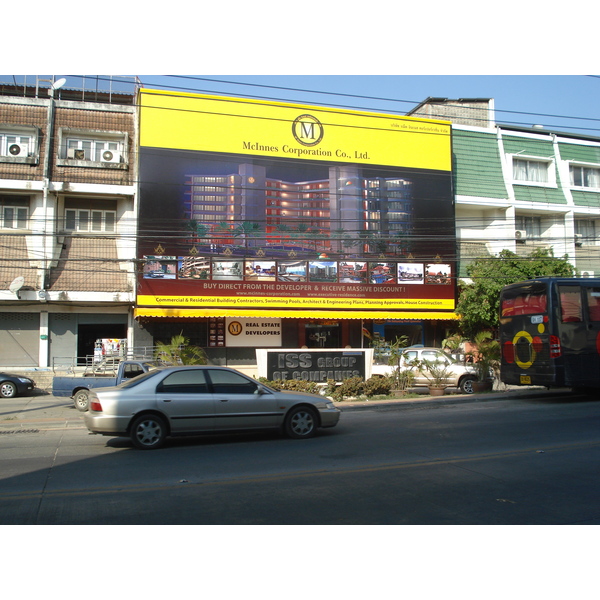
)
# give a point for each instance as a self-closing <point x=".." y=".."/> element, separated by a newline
<point x="351" y="387"/>
<point x="292" y="385"/>
<point x="378" y="386"/>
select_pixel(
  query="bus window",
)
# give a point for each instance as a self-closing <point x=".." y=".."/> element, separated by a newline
<point x="593" y="300"/>
<point x="523" y="303"/>
<point x="570" y="304"/>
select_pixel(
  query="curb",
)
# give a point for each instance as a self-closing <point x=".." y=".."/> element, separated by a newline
<point x="449" y="399"/>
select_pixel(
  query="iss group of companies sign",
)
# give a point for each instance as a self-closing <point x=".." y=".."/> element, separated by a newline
<point x="277" y="207"/>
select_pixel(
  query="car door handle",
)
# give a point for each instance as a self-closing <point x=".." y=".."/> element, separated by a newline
<point x="224" y="399"/>
<point x="167" y="400"/>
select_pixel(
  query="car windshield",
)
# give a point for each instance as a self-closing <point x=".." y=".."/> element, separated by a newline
<point x="137" y="380"/>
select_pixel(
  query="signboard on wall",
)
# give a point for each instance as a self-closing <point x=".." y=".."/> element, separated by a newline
<point x="252" y="333"/>
<point x="272" y="209"/>
<point x="314" y="365"/>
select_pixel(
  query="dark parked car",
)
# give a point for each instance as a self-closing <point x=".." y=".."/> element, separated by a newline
<point x="197" y="400"/>
<point x="15" y="385"/>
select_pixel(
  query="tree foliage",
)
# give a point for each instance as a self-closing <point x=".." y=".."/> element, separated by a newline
<point x="179" y="352"/>
<point x="478" y="302"/>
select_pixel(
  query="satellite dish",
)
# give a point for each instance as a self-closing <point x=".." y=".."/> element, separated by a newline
<point x="59" y="83"/>
<point x="16" y="285"/>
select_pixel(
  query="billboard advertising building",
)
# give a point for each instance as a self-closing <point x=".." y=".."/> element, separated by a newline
<point x="269" y="224"/>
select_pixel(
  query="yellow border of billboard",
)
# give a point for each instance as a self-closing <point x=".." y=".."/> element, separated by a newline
<point x="183" y="121"/>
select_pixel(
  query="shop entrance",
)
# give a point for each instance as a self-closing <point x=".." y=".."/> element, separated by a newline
<point x="322" y="336"/>
<point x="88" y="334"/>
<point x="390" y="331"/>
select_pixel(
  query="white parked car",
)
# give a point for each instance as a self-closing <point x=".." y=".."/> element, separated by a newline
<point x="462" y="375"/>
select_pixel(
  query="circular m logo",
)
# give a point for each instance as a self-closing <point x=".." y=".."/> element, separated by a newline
<point x="307" y="130"/>
<point x="235" y="328"/>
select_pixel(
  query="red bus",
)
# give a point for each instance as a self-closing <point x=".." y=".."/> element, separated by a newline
<point x="550" y="332"/>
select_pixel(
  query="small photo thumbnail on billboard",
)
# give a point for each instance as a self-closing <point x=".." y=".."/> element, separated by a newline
<point x="353" y="272"/>
<point x="382" y="272"/>
<point x="263" y="270"/>
<point x="227" y="269"/>
<point x="438" y="274"/>
<point x="291" y="270"/>
<point x="323" y="271"/>
<point x="410" y="273"/>
<point x="193" y="267"/>
<point x="159" y="267"/>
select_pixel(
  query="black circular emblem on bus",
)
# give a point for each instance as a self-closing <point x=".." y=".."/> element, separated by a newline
<point x="307" y="130"/>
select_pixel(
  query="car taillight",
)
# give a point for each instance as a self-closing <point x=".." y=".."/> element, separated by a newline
<point x="95" y="405"/>
<point x="555" y="349"/>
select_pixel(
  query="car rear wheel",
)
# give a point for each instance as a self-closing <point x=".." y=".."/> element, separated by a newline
<point x="301" y="423"/>
<point x="82" y="400"/>
<point x="148" y="432"/>
<point x="466" y="385"/>
<point x="8" y="389"/>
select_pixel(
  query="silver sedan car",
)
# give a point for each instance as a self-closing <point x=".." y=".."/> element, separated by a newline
<point x="184" y="400"/>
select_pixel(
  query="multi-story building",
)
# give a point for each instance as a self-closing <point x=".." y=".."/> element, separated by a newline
<point x="67" y="222"/>
<point x="521" y="188"/>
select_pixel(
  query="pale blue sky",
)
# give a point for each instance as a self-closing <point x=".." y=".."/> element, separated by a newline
<point x="560" y="102"/>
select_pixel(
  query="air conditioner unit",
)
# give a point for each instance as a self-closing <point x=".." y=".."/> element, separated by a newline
<point x="110" y="156"/>
<point x="76" y="154"/>
<point x="578" y="240"/>
<point x="18" y="150"/>
<point x="587" y="273"/>
<point x="520" y="235"/>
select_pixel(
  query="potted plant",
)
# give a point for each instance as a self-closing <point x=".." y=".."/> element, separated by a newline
<point x="402" y="378"/>
<point x="438" y="374"/>
<point x="486" y="360"/>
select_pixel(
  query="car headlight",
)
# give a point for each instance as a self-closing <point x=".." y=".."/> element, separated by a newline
<point x="23" y="379"/>
<point x="329" y="405"/>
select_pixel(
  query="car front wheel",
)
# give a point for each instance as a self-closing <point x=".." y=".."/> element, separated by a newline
<point x="466" y="385"/>
<point x="8" y="389"/>
<point x="301" y="423"/>
<point x="148" y="432"/>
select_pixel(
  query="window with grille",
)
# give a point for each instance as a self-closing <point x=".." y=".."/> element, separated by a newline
<point x="91" y="148"/>
<point x="14" y="213"/>
<point x="14" y="144"/>
<point x="533" y="171"/>
<point x="586" y="177"/>
<point x="532" y="225"/>
<point x="19" y="144"/>
<point x="93" y="221"/>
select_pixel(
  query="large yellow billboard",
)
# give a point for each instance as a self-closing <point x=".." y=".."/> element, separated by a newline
<point x="176" y="120"/>
<point x="255" y="208"/>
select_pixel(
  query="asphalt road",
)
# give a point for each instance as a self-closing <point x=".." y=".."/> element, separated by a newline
<point x="500" y="459"/>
